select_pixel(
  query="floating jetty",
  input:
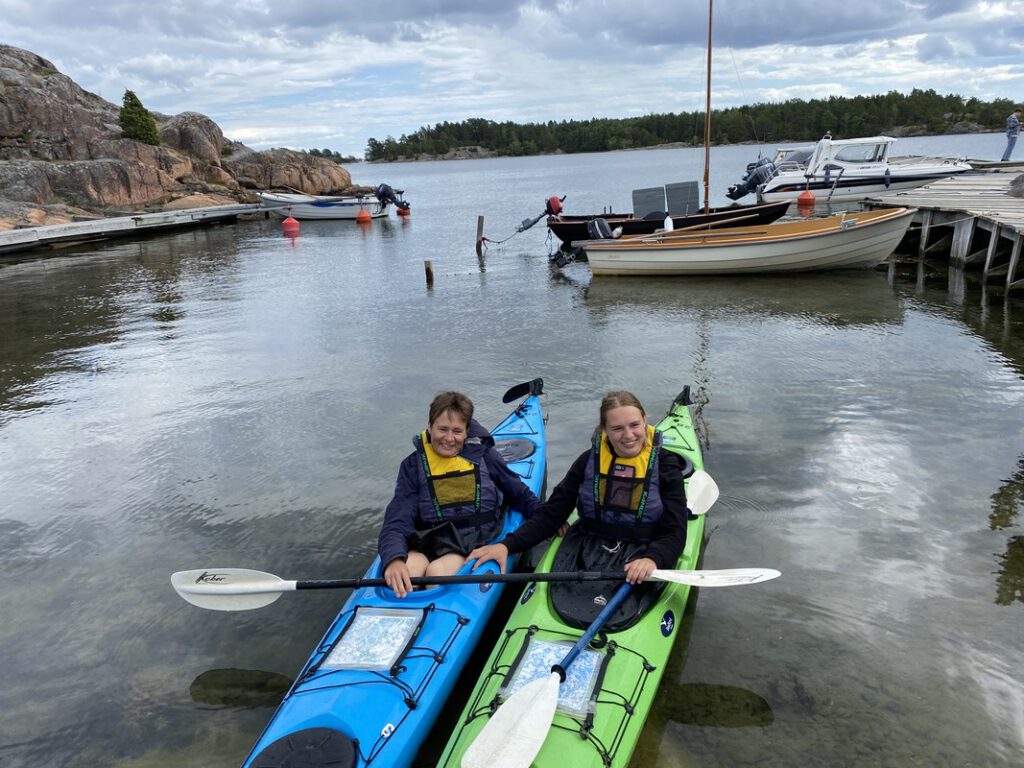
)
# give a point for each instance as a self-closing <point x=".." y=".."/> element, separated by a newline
<point x="133" y="225"/>
<point x="971" y="219"/>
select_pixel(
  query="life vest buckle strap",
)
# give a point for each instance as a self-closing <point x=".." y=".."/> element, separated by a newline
<point x="618" y="531"/>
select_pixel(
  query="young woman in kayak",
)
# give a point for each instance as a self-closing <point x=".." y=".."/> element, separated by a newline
<point x="631" y="500"/>
<point x="448" y="498"/>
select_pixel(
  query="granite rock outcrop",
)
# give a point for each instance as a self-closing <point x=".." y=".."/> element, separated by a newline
<point x="63" y="155"/>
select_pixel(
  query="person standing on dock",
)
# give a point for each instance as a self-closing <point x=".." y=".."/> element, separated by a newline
<point x="1012" y="131"/>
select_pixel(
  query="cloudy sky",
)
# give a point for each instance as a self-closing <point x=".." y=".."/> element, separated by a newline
<point x="333" y="74"/>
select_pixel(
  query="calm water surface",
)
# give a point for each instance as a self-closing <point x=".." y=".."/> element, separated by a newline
<point x="231" y="397"/>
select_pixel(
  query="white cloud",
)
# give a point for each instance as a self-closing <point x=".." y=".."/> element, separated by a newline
<point x="308" y="75"/>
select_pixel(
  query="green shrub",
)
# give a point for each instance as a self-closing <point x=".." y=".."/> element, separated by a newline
<point x="136" y="122"/>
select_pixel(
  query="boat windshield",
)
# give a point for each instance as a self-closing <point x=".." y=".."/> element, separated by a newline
<point x="796" y="157"/>
<point x="862" y="153"/>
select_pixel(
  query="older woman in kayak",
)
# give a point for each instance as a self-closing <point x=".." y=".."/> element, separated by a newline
<point x="448" y="497"/>
<point x="631" y="500"/>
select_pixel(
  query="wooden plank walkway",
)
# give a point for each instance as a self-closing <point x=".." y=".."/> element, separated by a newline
<point x="972" y="219"/>
<point x="63" y="235"/>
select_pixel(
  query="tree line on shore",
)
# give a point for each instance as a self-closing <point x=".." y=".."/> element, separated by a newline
<point x="923" y="112"/>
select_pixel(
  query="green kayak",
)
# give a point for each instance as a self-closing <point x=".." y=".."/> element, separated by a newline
<point x="610" y="687"/>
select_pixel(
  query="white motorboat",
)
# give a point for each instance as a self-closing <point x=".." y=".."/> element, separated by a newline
<point x="841" y="170"/>
<point x="861" y="239"/>
<point x="300" y="206"/>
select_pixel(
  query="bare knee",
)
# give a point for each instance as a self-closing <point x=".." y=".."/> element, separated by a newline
<point x="417" y="563"/>
<point x="446" y="565"/>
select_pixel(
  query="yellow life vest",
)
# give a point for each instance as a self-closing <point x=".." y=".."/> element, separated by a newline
<point x="452" y="480"/>
<point x="621" y="483"/>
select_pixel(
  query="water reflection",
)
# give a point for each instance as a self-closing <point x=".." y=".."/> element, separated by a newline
<point x="995" y="318"/>
<point x="1007" y="503"/>
<point x="226" y="397"/>
<point x="838" y="299"/>
<point x="992" y="315"/>
<point x="1010" y="580"/>
<point x="61" y="324"/>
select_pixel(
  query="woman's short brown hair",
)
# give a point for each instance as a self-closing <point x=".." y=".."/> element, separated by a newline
<point x="456" y="402"/>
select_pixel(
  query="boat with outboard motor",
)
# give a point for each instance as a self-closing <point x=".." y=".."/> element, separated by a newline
<point x="608" y="692"/>
<point x="841" y="170"/>
<point x="301" y="206"/>
<point x="569" y="227"/>
<point x="376" y="683"/>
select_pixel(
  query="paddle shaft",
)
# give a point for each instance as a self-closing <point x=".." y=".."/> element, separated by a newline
<point x="593" y="629"/>
<point x="467" y="578"/>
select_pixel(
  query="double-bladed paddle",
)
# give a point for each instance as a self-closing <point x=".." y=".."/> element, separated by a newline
<point x="241" y="589"/>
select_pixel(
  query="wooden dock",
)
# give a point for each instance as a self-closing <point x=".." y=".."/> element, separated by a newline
<point x="64" y="235"/>
<point x="972" y="220"/>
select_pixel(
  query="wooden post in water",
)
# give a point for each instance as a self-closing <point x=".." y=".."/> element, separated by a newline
<point x="479" y="235"/>
<point x="963" y="233"/>
<point x="428" y="267"/>
<point x="1014" y="260"/>
<point x="926" y="225"/>
<point x="990" y="252"/>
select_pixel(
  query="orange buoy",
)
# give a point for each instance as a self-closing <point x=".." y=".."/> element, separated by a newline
<point x="805" y="198"/>
<point x="403" y="212"/>
<point x="290" y="227"/>
<point x="363" y="216"/>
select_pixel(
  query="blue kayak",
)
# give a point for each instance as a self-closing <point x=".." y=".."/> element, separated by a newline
<point x="374" y="686"/>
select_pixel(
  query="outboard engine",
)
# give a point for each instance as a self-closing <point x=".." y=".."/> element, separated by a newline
<point x="757" y="173"/>
<point x="552" y="207"/>
<point x="598" y="229"/>
<point x="387" y="195"/>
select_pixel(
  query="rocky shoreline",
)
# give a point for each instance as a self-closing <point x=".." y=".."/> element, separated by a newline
<point x="63" y="157"/>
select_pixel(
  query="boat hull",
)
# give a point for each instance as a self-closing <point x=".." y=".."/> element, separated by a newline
<point x="380" y="717"/>
<point x="845" y="241"/>
<point x="630" y="674"/>
<point x="782" y="189"/>
<point x="843" y="170"/>
<point x="321" y="207"/>
<point x="569" y="228"/>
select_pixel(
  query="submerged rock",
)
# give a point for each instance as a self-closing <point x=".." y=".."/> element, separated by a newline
<point x="242" y="688"/>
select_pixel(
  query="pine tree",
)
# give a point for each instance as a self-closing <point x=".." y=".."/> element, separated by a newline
<point x="136" y="122"/>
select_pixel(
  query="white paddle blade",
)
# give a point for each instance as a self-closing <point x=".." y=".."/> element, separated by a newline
<point x="730" y="577"/>
<point x="229" y="589"/>
<point x="701" y="492"/>
<point x="516" y="732"/>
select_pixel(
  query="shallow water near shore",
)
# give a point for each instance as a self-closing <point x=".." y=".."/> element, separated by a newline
<point x="231" y="397"/>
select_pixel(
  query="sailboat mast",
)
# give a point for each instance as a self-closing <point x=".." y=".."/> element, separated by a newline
<point x="707" y="120"/>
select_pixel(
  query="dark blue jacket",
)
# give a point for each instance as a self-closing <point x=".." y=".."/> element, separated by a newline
<point x="412" y="509"/>
<point x="667" y="542"/>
